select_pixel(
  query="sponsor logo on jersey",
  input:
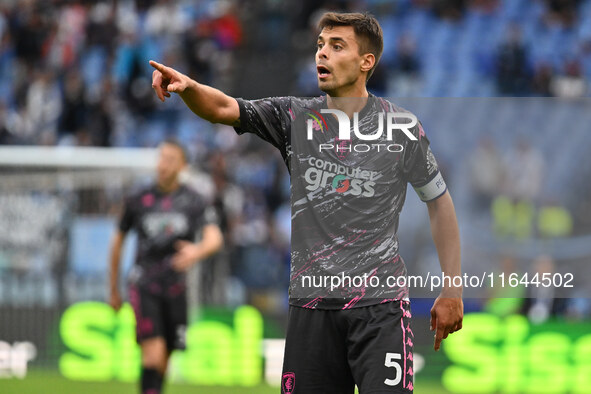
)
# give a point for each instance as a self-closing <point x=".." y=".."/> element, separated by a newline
<point x="169" y="223"/>
<point x="342" y="179"/>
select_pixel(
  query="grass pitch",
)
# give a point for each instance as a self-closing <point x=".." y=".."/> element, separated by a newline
<point x="50" y="382"/>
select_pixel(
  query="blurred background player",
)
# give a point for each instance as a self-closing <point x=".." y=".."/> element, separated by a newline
<point x="168" y="216"/>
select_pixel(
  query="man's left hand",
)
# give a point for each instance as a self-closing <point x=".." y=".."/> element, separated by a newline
<point x="187" y="254"/>
<point x="446" y="318"/>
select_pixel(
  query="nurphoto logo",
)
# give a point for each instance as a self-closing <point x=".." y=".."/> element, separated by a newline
<point x="394" y="122"/>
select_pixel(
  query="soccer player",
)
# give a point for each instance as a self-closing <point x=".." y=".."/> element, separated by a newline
<point x="347" y="194"/>
<point x="167" y="216"/>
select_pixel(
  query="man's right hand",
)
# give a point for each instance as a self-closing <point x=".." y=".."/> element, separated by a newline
<point x="166" y="80"/>
<point x="115" y="300"/>
<point x="206" y="102"/>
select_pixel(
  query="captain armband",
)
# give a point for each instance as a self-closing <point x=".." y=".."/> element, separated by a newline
<point x="433" y="189"/>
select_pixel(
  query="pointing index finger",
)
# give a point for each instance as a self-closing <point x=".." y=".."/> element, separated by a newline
<point x="160" y="67"/>
<point x="439" y="335"/>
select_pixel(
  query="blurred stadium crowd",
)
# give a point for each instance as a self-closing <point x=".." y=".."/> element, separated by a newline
<point x="76" y="73"/>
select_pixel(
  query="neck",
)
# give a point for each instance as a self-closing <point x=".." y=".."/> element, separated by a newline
<point x="168" y="186"/>
<point x="347" y="104"/>
<point x="349" y="98"/>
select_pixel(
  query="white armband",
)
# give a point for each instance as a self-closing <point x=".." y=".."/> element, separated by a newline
<point x="435" y="188"/>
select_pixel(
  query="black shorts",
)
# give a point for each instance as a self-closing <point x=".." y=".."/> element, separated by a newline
<point x="159" y="316"/>
<point x="331" y="351"/>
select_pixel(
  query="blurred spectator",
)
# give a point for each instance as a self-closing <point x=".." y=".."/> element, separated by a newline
<point x="554" y="221"/>
<point x="513" y="220"/>
<point x="570" y="85"/>
<point x="199" y="47"/>
<point x="227" y="30"/>
<point x="378" y="81"/>
<point x="165" y="17"/>
<point x="408" y="62"/>
<point x="514" y="208"/>
<point x="451" y="10"/>
<point x="74" y="112"/>
<point x="66" y="38"/>
<point x="406" y="81"/>
<point x="30" y="29"/>
<point x="563" y="12"/>
<point x="101" y="29"/>
<point x="5" y="134"/>
<point x="137" y="89"/>
<point x="43" y="106"/>
<point x="524" y="169"/>
<point x="101" y="113"/>
<point x="585" y="47"/>
<point x="542" y="78"/>
<point x="486" y="174"/>
<point x="541" y="302"/>
<point x="512" y="67"/>
<point x="578" y="307"/>
<point x="228" y="198"/>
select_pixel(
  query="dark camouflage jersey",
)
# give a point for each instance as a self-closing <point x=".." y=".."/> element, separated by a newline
<point x="346" y="196"/>
<point x="161" y="220"/>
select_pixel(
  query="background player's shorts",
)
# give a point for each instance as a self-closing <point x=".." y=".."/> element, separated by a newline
<point x="329" y="351"/>
<point x="159" y="316"/>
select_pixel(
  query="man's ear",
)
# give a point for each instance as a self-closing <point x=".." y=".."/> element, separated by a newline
<point x="368" y="60"/>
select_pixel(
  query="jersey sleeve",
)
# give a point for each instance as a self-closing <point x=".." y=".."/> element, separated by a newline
<point x="420" y="168"/>
<point x="202" y="213"/>
<point x="210" y="216"/>
<point x="127" y="217"/>
<point x="268" y="118"/>
<point x="201" y="216"/>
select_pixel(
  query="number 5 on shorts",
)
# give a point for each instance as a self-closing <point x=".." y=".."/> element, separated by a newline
<point x="390" y="357"/>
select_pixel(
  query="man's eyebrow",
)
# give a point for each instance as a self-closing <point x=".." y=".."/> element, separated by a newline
<point x="333" y="39"/>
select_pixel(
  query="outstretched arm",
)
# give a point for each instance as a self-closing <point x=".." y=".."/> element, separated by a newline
<point x="206" y="102"/>
<point x="448" y="310"/>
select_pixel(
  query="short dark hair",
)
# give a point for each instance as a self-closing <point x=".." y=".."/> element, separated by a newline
<point x="175" y="143"/>
<point x="366" y="27"/>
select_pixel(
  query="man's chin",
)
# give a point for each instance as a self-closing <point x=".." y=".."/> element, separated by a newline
<point x="165" y="181"/>
<point x="325" y="87"/>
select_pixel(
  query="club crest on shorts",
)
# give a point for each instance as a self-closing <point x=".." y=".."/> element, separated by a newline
<point x="288" y="383"/>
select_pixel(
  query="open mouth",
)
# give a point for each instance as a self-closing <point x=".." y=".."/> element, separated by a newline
<point x="323" y="72"/>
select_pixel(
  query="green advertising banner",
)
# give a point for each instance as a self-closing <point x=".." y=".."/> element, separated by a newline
<point x="511" y="355"/>
<point x="101" y="346"/>
<point x="225" y="348"/>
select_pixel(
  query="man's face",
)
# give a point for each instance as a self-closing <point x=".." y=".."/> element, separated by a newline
<point x="170" y="163"/>
<point x="338" y="62"/>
